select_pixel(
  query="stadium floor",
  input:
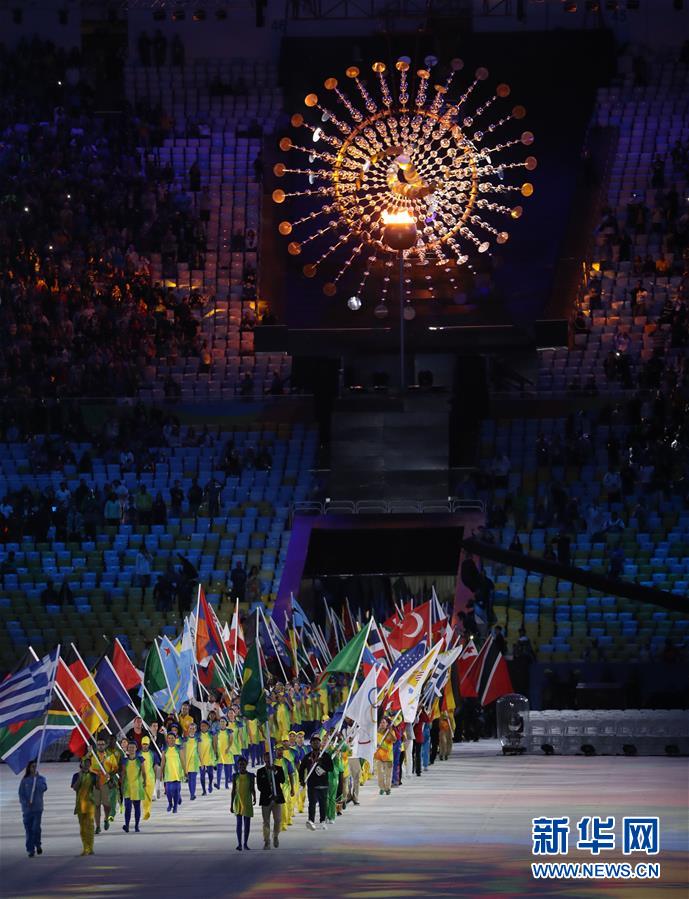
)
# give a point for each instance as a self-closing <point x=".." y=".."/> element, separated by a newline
<point x="463" y="829"/>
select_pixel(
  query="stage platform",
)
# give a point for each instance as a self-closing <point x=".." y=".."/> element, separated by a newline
<point x="463" y="829"/>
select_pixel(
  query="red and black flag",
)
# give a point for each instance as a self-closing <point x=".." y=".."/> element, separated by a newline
<point x="488" y="675"/>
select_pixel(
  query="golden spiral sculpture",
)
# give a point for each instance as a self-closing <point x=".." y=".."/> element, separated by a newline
<point x="419" y="151"/>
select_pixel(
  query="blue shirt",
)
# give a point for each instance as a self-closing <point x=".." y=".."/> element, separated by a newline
<point x="25" y="788"/>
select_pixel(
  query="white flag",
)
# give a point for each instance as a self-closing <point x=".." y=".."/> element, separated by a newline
<point x="363" y="710"/>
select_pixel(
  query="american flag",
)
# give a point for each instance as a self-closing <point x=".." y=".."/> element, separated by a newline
<point x="407" y="660"/>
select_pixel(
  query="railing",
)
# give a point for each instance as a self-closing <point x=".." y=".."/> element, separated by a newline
<point x="387" y="507"/>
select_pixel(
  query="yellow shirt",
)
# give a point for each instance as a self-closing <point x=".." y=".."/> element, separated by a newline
<point x="206" y="753"/>
<point x="173" y="764"/>
<point x="224" y="743"/>
<point x="132" y="779"/>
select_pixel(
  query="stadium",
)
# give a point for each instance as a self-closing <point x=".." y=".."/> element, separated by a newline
<point x="344" y="448"/>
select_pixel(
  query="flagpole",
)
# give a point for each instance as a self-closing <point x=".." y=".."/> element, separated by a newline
<point x="235" y="621"/>
<point x="319" y="637"/>
<point x="196" y="627"/>
<point x="293" y="641"/>
<point x="430" y="624"/>
<point x="45" y="723"/>
<point x="330" y="616"/>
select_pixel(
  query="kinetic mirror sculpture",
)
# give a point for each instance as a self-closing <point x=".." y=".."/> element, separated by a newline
<point x="418" y="176"/>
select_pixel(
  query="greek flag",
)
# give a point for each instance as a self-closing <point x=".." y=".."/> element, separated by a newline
<point x="26" y="694"/>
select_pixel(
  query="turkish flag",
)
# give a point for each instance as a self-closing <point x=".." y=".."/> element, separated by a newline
<point x="415" y="625"/>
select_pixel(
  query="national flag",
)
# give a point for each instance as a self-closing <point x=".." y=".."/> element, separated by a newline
<point x="411" y="685"/>
<point x="368" y="662"/>
<point x="375" y="643"/>
<point x="347" y="621"/>
<point x="186" y="663"/>
<point x="407" y="660"/>
<point x="126" y="671"/>
<point x="415" y="625"/>
<point x="299" y="616"/>
<point x="347" y="659"/>
<point x="69" y="685"/>
<point x="467" y="686"/>
<point x="93" y="715"/>
<point x="19" y="742"/>
<point x="449" y="634"/>
<point x="436" y="682"/>
<point x="403" y="664"/>
<point x="451" y="694"/>
<point x="252" y="697"/>
<point x="173" y="674"/>
<point x="109" y="687"/>
<point x="275" y="644"/>
<point x="209" y="676"/>
<point x="208" y="639"/>
<point x="312" y="648"/>
<point x="336" y="638"/>
<point x="156" y="693"/>
<point x="283" y="610"/>
<point x="490" y="674"/>
<point x="236" y="640"/>
<point x="26" y="694"/>
<point x="440" y="623"/>
<point x="363" y="710"/>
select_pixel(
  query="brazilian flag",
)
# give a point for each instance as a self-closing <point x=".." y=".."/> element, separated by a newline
<point x="252" y="699"/>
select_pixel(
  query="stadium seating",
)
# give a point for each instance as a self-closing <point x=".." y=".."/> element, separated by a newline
<point x="561" y="619"/>
<point x="649" y="120"/>
<point x="253" y="526"/>
<point x="226" y="146"/>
